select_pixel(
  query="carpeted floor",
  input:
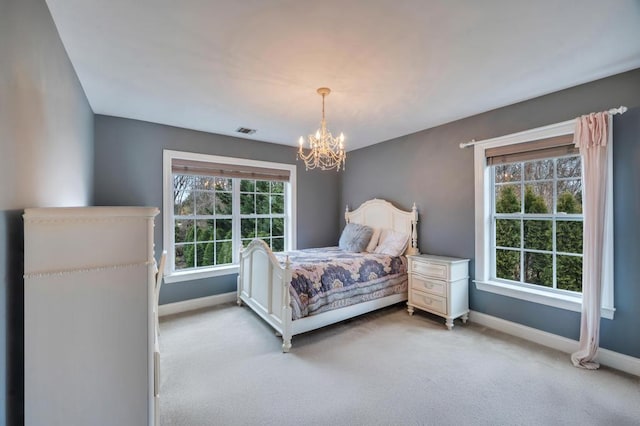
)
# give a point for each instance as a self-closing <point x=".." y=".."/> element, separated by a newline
<point x="224" y="366"/>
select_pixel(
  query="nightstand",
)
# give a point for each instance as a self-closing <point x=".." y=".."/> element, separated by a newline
<point x="440" y="285"/>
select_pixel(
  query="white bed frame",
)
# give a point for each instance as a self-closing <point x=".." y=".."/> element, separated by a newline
<point x="263" y="284"/>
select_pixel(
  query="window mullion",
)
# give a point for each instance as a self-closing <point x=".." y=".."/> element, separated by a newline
<point x="235" y="221"/>
<point x="554" y="210"/>
<point x="522" y="213"/>
<point x="494" y="254"/>
<point x="285" y="223"/>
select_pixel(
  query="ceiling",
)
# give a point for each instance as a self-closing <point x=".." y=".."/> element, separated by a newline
<point x="394" y="66"/>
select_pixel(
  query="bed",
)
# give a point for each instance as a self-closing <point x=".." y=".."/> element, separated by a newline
<point x="340" y="284"/>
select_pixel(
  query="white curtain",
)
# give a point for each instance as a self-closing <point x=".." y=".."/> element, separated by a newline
<point x="593" y="136"/>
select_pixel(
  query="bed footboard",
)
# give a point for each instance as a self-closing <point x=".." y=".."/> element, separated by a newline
<point x="263" y="284"/>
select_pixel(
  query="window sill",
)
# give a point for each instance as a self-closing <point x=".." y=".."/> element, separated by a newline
<point x="562" y="301"/>
<point x="202" y="273"/>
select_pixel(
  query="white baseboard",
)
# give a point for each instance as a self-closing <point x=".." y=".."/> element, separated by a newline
<point x="201" y="302"/>
<point x="612" y="359"/>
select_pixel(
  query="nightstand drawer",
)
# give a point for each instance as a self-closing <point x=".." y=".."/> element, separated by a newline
<point x="429" y="302"/>
<point x="434" y="270"/>
<point x="429" y="286"/>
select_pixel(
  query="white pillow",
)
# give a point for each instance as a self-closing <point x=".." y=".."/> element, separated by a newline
<point x="392" y="243"/>
<point x="373" y="242"/>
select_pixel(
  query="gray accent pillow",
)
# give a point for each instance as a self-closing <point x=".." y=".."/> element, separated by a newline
<point x="355" y="237"/>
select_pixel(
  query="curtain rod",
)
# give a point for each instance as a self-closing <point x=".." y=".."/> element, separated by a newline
<point x="613" y="111"/>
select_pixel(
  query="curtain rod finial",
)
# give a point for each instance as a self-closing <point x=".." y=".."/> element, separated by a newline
<point x="621" y="110"/>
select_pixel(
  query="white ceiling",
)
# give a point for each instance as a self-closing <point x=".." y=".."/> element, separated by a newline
<point x="394" y="66"/>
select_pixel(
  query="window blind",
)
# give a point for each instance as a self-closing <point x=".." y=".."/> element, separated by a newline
<point x="203" y="168"/>
<point x="536" y="150"/>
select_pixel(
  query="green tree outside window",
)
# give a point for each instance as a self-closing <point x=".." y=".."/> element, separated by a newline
<point x="538" y="233"/>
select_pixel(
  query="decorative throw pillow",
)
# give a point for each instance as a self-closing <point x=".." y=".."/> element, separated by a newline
<point x="355" y="237"/>
<point x="373" y="242"/>
<point x="392" y="243"/>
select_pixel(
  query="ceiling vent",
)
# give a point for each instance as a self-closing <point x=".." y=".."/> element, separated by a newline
<point x="245" y="130"/>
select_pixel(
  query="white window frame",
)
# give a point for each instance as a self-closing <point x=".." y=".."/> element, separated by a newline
<point x="168" y="239"/>
<point x="483" y="229"/>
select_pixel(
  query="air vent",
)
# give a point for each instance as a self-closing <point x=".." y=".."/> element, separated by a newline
<point x="245" y="130"/>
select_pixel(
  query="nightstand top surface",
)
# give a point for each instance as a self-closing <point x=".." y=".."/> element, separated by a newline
<point x="436" y="257"/>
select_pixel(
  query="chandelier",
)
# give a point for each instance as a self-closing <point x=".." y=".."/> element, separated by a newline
<point x="326" y="152"/>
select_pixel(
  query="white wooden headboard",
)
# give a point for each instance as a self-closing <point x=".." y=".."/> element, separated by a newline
<point x="382" y="214"/>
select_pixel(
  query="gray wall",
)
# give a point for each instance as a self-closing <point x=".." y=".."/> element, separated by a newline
<point x="429" y="168"/>
<point x="128" y="171"/>
<point x="46" y="146"/>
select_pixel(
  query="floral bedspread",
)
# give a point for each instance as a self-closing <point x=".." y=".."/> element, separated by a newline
<point x="329" y="278"/>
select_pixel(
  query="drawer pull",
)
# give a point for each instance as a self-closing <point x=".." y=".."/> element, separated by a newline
<point x="430" y="286"/>
<point x="433" y="303"/>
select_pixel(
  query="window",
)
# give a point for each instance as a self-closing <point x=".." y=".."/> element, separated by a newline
<point x="537" y="223"/>
<point x="262" y="212"/>
<point x="213" y="205"/>
<point x="203" y="221"/>
<point x="529" y="221"/>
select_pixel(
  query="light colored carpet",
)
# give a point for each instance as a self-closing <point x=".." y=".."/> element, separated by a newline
<point x="224" y="366"/>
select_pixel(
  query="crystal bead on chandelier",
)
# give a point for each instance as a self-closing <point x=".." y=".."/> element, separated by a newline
<point x="326" y="152"/>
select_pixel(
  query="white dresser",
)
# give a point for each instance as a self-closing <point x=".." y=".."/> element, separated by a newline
<point x="440" y="285"/>
<point x="88" y="316"/>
